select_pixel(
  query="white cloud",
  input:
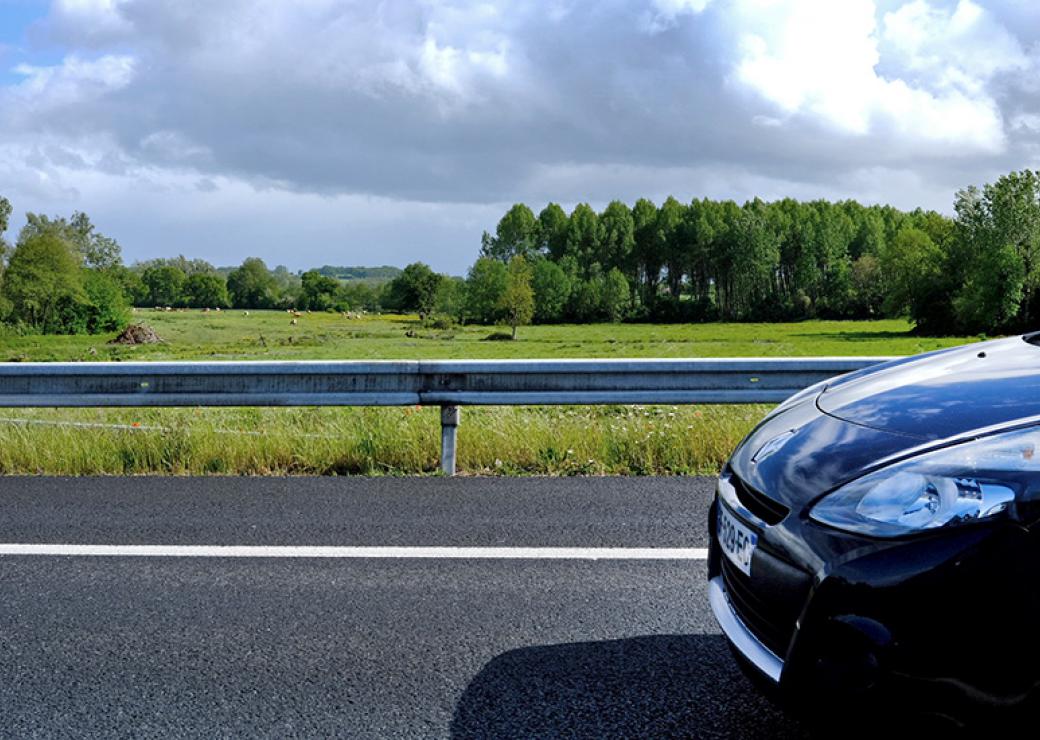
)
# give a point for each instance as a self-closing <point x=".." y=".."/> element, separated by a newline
<point x="455" y="70"/>
<point x="820" y="59"/>
<point x="45" y="91"/>
<point x="74" y="77"/>
<point x="961" y="46"/>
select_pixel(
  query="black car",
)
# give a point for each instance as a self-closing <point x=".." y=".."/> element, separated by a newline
<point x="875" y="541"/>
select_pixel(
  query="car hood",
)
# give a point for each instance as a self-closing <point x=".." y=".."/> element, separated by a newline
<point x="795" y="455"/>
<point x="942" y="394"/>
<point x="875" y="415"/>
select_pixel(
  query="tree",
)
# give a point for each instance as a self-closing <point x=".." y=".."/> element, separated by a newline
<point x="485" y="284"/>
<point x="670" y="242"/>
<point x="646" y="249"/>
<point x="5" y="215"/>
<point x="131" y="284"/>
<point x="451" y="298"/>
<point x="415" y="289"/>
<point x="106" y="307"/>
<point x="834" y="234"/>
<point x="703" y="227"/>
<point x="94" y="249"/>
<point x="516" y="234"/>
<point x="517" y="300"/>
<point x="318" y="292"/>
<point x="98" y="251"/>
<point x="996" y="252"/>
<point x="357" y="295"/>
<point x="582" y="235"/>
<point x="288" y="287"/>
<point x="868" y="285"/>
<point x="586" y="303"/>
<point x="552" y="231"/>
<point x="913" y="266"/>
<point x="251" y="285"/>
<point x="43" y="275"/>
<point x="754" y="251"/>
<point x="206" y="290"/>
<point x="616" y="295"/>
<point x="165" y="285"/>
<point x="993" y="290"/>
<point x="552" y="289"/>
<point x="188" y="266"/>
<point x="616" y="238"/>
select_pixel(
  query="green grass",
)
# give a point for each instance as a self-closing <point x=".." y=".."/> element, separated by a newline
<point x="395" y="441"/>
<point x="398" y="441"/>
<point x="230" y="335"/>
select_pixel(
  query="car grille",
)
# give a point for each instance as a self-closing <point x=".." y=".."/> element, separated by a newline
<point x="771" y="618"/>
<point x="765" y="508"/>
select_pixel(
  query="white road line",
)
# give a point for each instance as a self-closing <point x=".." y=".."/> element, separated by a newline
<point x="292" y="551"/>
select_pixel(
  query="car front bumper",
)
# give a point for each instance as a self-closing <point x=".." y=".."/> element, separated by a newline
<point x="829" y="617"/>
<point x="739" y="635"/>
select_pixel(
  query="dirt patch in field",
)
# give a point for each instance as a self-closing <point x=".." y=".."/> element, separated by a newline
<point x="137" y="334"/>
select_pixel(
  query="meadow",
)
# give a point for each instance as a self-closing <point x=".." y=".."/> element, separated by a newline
<point x="658" y="440"/>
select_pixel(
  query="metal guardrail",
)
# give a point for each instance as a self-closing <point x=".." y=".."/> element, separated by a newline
<point x="448" y="384"/>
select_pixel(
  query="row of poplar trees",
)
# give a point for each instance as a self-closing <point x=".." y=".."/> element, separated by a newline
<point x="786" y="260"/>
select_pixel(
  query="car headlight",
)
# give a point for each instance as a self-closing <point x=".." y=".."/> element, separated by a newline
<point x="967" y="482"/>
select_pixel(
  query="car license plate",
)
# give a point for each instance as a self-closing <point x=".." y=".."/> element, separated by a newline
<point x="737" y="541"/>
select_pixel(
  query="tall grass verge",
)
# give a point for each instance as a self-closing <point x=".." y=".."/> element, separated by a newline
<point x="616" y="440"/>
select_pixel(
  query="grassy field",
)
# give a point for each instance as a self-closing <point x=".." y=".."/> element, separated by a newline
<point x="231" y="335"/>
<point x="397" y="441"/>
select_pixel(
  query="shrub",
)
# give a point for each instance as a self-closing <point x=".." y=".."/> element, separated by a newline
<point x="440" y="321"/>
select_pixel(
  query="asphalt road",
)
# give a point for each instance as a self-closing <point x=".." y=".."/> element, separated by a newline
<point x="369" y="647"/>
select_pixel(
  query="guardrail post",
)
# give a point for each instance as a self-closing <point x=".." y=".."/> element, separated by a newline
<point x="449" y="434"/>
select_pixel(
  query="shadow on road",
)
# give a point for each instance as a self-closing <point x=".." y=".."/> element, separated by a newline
<point x="658" y="686"/>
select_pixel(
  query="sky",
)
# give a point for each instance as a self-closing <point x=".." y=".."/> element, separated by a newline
<point x="329" y="132"/>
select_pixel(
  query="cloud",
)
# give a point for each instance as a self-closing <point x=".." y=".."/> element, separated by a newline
<point x="247" y="107"/>
<point x="73" y="81"/>
<point x="962" y="46"/>
<point x="820" y="60"/>
<point x="664" y="14"/>
<point x="89" y="23"/>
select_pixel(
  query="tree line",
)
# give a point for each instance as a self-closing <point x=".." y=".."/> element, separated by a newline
<point x="62" y="276"/>
<point x="785" y="260"/>
<point x="978" y="271"/>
